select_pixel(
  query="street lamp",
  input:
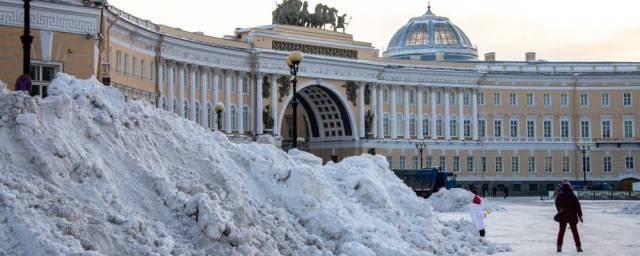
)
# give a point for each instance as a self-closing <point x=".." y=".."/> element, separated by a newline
<point x="293" y="61"/>
<point x="421" y="146"/>
<point x="219" y="108"/>
<point x="584" y="149"/>
<point x="27" y="38"/>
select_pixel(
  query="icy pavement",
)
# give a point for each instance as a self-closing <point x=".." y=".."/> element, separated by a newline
<point x="528" y="226"/>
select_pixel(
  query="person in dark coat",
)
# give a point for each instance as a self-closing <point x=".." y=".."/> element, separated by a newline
<point x="485" y="190"/>
<point x="505" y="189"/>
<point x="570" y="211"/>
<point x="494" y="191"/>
<point x="23" y="83"/>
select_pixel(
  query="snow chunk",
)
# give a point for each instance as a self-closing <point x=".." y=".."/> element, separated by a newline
<point x="457" y="200"/>
<point x="28" y="119"/>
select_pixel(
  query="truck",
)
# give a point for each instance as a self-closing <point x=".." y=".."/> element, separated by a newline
<point x="426" y="181"/>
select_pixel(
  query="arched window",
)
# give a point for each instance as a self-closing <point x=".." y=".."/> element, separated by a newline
<point x="175" y="106"/>
<point x="453" y="126"/>
<point x="212" y="122"/>
<point x="399" y="124"/>
<point x="425" y="126"/>
<point x="439" y="127"/>
<point x="467" y="127"/>
<point x="245" y="118"/>
<point x="163" y="103"/>
<point x="386" y="125"/>
<point x="197" y="112"/>
<point x="234" y="122"/>
<point x="185" y="114"/>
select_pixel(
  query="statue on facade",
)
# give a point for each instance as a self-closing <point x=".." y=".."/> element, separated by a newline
<point x="368" y="121"/>
<point x="304" y="15"/>
<point x="266" y="117"/>
<point x="266" y="87"/>
<point x="341" y="23"/>
<point x="296" y="13"/>
<point x="367" y="94"/>
<point x="352" y="93"/>
<point x="283" y="89"/>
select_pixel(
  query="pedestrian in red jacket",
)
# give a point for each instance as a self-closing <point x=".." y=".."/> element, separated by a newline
<point x="568" y="206"/>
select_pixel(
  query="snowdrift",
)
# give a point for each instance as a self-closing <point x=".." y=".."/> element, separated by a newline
<point x="83" y="173"/>
<point x="632" y="209"/>
<point x="457" y="200"/>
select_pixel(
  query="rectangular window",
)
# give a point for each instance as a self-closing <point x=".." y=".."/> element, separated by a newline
<point x="533" y="187"/>
<point x="513" y="129"/>
<point x="398" y="96"/>
<point x="499" y="164"/>
<point x="584" y="129"/>
<point x="453" y="125"/>
<point x="546" y="128"/>
<point x="628" y="162"/>
<point x="118" y="61"/>
<point x="484" y="164"/>
<point x="452" y="98"/>
<point x="412" y="97"/>
<point x="415" y="162"/>
<point x="606" y="128"/>
<point x="443" y="162"/>
<point x="548" y="164"/>
<point x="126" y="64"/>
<point x="564" y="128"/>
<point x="626" y="100"/>
<point x="513" y="99"/>
<point x="439" y="127"/>
<point x="604" y="99"/>
<point x="531" y="128"/>
<point x="465" y="98"/>
<point x="606" y="164"/>
<point x="628" y="128"/>
<point x="584" y="99"/>
<point x="532" y="164"/>
<point x="530" y="100"/>
<point x="438" y="97"/>
<point x="467" y="128"/>
<point x="515" y="164"/>
<point x="481" y="98"/>
<point x="470" y="168"/>
<point x="565" y="165"/>
<point x="482" y="128"/>
<point x="403" y="162"/>
<point x="564" y="100"/>
<point x="143" y="69"/>
<point x="152" y="71"/>
<point x="456" y="164"/>
<point x="496" y="99"/>
<point x="546" y="98"/>
<point x="42" y="75"/>
<point x="497" y="128"/>
<point x="385" y="95"/>
<point x="429" y="162"/>
<point x="134" y="61"/>
<point x="425" y="98"/>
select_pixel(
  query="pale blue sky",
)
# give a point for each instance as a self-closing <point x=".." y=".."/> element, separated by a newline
<point x="558" y="30"/>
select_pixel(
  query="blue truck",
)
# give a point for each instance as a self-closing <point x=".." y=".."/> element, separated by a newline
<point x="426" y="181"/>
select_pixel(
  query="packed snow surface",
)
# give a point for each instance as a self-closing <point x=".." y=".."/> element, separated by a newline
<point x="633" y="209"/>
<point x="83" y="173"/>
<point x="456" y="200"/>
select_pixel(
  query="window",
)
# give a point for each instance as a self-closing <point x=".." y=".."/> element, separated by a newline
<point x="484" y="164"/>
<point x="399" y="124"/>
<point x="546" y="98"/>
<point x="210" y="113"/>
<point x="628" y="128"/>
<point x="429" y="162"/>
<point x="152" y="71"/>
<point x="438" y="97"/>
<point x="453" y="128"/>
<point x="118" y="61"/>
<point x="412" y="97"/>
<point x="245" y="118"/>
<point x="134" y="61"/>
<point x="584" y="129"/>
<point x="386" y="125"/>
<point x="126" y="64"/>
<point x="533" y="187"/>
<point x="604" y="99"/>
<point x="415" y="162"/>
<point x="513" y="99"/>
<point x="481" y="98"/>
<point x="565" y="165"/>
<point x="530" y="101"/>
<point x="467" y="128"/>
<point x="513" y="131"/>
<point x="548" y="164"/>
<point x="403" y="162"/>
<point x="626" y="100"/>
<point x="531" y="128"/>
<point x="443" y="162"/>
<point x="606" y="164"/>
<point x="143" y="69"/>
<point x="175" y="105"/>
<point x="482" y="128"/>
<point x="606" y="128"/>
<point x="197" y="112"/>
<point x="499" y="164"/>
<point x="584" y="99"/>
<point x="564" y="100"/>
<point x="496" y="99"/>
<point x="234" y="121"/>
<point x="245" y="85"/>
<point x="452" y="98"/>
<point x="515" y="164"/>
<point x="465" y="98"/>
<point x="497" y="128"/>
<point x="41" y="75"/>
<point x="425" y="126"/>
<point x="412" y="126"/>
<point x="398" y="96"/>
<point x="425" y="98"/>
<point x="546" y="128"/>
<point x="564" y="128"/>
<point x="456" y="164"/>
<point x="385" y="95"/>
<point x="517" y="187"/>
<point x="628" y="162"/>
<point x="470" y="168"/>
<point x="439" y="127"/>
<point x="532" y="164"/>
<point x="185" y="110"/>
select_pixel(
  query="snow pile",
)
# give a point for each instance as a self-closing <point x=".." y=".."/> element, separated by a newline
<point x="456" y="200"/>
<point x="633" y="209"/>
<point x="83" y="173"/>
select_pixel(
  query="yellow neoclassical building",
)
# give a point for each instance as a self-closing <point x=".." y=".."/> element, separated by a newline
<point x="502" y="123"/>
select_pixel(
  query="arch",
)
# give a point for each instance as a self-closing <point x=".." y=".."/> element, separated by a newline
<point x="340" y="100"/>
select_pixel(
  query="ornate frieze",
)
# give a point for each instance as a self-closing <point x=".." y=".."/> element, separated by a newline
<point x="49" y="19"/>
<point x="312" y="49"/>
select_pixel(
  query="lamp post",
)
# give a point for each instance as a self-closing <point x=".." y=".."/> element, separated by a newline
<point x="26" y="39"/>
<point x="219" y="108"/>
<point x="584" y="149"/>
<point x="421" y="146"/>
<point x="293" y="61"/>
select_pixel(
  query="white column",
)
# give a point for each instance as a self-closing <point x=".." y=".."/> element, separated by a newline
<point x="171" y="86"/>
<point x="380" y="112"/>
<point x="434" y="119"/>
<point x="181" y="90"/>
<point x="474" y="113"/>
<point x="461" y="114"/>
<point x="405" y="109"/>
<point x="160" y="80"/>
<point x="274" y="104"/>
<point x="204" y="115"/>
<point x="374" y="110"/>
<point x="420" y="114"/>
<point x="227" y="101"/>
<point x="216" y="96"/>
<point x="447" y="117"/>
<point x="259" y="105"/>
<point x="361" y="107"/>
<point x="240" y="101"/>
<point x="394" y="135"/>
<point x="192" y="92"/>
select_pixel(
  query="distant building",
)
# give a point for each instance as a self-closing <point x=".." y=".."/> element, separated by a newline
<point x="516" y="124"/>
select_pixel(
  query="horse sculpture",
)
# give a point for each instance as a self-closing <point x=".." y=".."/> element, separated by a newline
<point x="296" y="13"/>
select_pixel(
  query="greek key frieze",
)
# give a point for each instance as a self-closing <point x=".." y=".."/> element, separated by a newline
<point x="50" y="20"/>
<point x="312" y="49"/>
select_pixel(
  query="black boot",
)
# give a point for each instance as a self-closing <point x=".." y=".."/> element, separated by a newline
<point x="482" y="232"/>
<point x="559" y="248"/>
<point x="579" y="248"/>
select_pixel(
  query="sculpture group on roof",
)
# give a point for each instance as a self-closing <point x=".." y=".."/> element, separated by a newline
<point x="296" y="12"/>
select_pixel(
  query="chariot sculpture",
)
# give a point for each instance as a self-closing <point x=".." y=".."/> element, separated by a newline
<point x="296" y="13"/>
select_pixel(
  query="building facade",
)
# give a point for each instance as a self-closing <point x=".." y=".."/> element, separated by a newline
<point x="516" y="124"/>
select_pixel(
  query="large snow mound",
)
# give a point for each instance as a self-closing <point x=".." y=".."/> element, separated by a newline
<point x="456" y="200"/>
<point x="83" y="173"/>
<point x="632" y="209"/>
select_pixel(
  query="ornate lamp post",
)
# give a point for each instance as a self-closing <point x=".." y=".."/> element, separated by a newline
<point x="26" y="39"/>
<point x="219" y="108"/>
<point x="293" y="61"/>
<point x="584" y="149"/>
<point x="421" y="146"/>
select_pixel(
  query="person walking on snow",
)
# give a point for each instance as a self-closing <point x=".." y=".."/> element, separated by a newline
<point x="476" y="212"/>
<point x="568" y="207"/>
<point x="505" y="189"/>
